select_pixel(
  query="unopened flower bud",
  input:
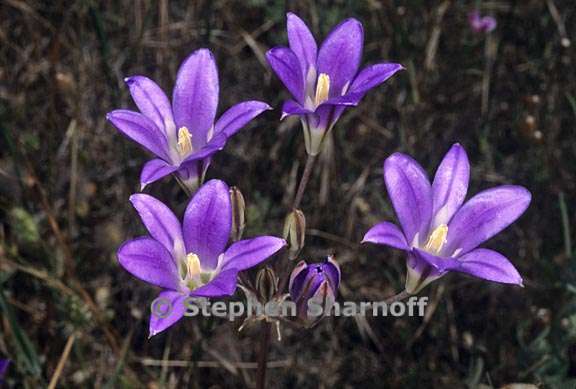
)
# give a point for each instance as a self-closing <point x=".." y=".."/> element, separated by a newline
<point x="295" y="232"/>
<point x="267" y="283"/>
<point x="313" y="288"/>
<point x="238" y="218"/>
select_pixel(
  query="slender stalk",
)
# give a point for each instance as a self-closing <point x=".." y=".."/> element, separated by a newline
<point x="397" y="297"/>
<point x="183" y="186"/>
<point x="304" y="180"/>
<point x="263" y="355"/>
<point x="265" y="332"/>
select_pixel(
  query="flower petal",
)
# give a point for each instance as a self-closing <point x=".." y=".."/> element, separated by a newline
<point x="441" y="264"/>
<point x="141" y="130"/>
<point x="485" y="215"/>
<point x="333" y="273"/>
<point x="224" y="284"/>
<point x="174" y="303"/>
<point x="374" y="75"/>
<point x="247" y="253"/>
<point x="350" y="99"/>
<point x="154" y="170"/>
<point x="152" y="102"/>
<point x="410" y="192"/>
<point x="302" y="42"/>
<point x="215" y="144"/>
<point x="298" y="269"/>
<point x="195" y="97"/>
<point x="489" y="265"/>
<point x="207" y="222"/>
<point x="238" y="116"/>
<point x="340" y="54"/>
<point x="420" y="272"/>
<point x="148" y="260"/>
<point x="287" y="67"/>
<point x="291" y="107"/>
<point x="160" y="222"/>
<point x="388" y="234"/>
<point x="450" y="184"/>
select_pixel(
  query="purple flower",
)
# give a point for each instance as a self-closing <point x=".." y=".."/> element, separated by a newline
<point x="324" y="82"/>
<point x="191" y="259"/>
<point x="182" y="135"/>
<point x="3" y="368"/>
<point x="315" y="284"/>
<point x="481" y="24"/>
<point x="439" y="232"/>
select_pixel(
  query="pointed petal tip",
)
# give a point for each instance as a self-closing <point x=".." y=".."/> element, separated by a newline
<point x="290" y="14"/>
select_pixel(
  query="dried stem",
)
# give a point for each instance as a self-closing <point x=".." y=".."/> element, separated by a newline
<point x="62" y="361"/>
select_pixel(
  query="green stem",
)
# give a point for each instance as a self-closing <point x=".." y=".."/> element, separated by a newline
<point x="304" y="180"/>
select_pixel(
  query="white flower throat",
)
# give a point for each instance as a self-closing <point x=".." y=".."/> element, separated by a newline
<point x="437" y="240"/>
<point x="184" y="141"/>
<point x="322" y="89"/>
<point x="191" y="272"/>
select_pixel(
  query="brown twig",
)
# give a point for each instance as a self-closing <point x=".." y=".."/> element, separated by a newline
<point x="62" y="361"/>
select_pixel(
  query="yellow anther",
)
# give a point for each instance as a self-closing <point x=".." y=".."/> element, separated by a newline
<point x="184" y="141"/>
<point x="193" y="265"/>
<point x="437" y="239"/>
<point x="322" y="89"/>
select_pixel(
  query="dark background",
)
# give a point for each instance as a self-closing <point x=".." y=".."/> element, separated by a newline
<point x="65" y="176"/>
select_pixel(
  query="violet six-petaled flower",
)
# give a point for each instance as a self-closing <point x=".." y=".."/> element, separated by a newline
<point x="324" y="82"/>
<point x="191" y="259"/>
<point x="183" y="135"/>
<point x="439" y="232"/>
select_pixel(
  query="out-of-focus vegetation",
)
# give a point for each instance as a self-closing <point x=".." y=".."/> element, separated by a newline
<point x="70" y="313"/>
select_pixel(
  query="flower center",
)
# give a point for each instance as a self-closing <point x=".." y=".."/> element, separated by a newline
<point x="437" y="239"/>
<point x="191" y="272"/>
<point x="184" y="141"/>
<point x="322" y="89"/>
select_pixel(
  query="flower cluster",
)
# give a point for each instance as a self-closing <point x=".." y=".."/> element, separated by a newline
<point x="203" y="254"/>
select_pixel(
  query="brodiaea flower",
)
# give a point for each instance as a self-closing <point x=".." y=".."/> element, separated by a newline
<point x="324" y="82"/>
<point x="438" y="232"/>
<point x="316" y="283"/>
<point x="183" y="135"/>
<point x="481" y="24"/>
<point x="191" y="259"/>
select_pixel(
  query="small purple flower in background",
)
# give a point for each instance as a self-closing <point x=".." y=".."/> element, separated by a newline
<point x="324" y="82"/>
<point x="316" y="283"/>
<point x="3" y="368"/>
<point x="481" y="24"/>
<point x="191" y="259"/>
<point x="438" y="232"/>
<point x="183" y="135"/>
